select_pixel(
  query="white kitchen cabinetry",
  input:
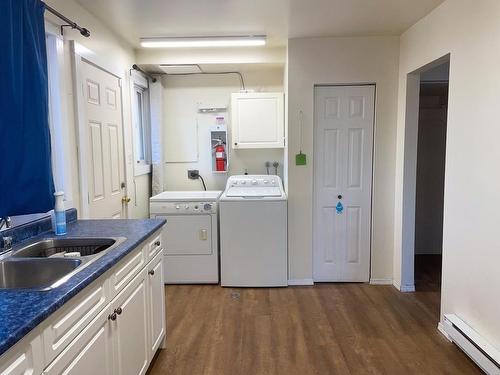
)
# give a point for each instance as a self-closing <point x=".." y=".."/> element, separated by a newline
<point x="25" y="358"/>
<point x="90" y="353"/>
<point x="257" y="120"/>
<point x="130" y="328"/>
<point x="156" y="304"/>
<point x="114" y="326"/>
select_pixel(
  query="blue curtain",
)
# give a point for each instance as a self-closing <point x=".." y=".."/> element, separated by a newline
<point x="26" y="183"/>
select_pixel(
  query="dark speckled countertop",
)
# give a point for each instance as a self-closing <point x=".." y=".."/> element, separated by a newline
<point x="21" y="310"/>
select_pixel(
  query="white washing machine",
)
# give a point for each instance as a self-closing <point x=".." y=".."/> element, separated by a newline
<point x="190" y="235"/>
<point x="253" y="230"/>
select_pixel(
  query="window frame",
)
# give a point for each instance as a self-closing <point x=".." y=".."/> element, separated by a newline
<point x="140" y="85"/>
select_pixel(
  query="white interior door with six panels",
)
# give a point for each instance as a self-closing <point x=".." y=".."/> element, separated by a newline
<point x="105" y="168"/>
<point x="343" y="149"/>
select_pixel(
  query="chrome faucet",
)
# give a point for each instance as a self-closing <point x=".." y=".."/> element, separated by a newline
<point x="5" y="221"/>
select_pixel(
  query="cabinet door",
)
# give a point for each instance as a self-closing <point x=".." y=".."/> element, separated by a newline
<point x="156" y="296"/>
<point x="89" y="353"/>
<point x="257" y="120"/>
<point x="25" y="359"/>
<point x="130" y="329"/>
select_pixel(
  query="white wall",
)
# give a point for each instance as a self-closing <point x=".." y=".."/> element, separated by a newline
<point x="470" y="32"/>
<point x="341" y="61"/>
<point x="182" y="96"/>
<point x="111" y="49"/>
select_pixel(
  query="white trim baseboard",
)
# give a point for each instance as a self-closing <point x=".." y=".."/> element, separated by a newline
<point x="381" y="281"/>
<point x="408" y="288"/>
<point x="441" y="330"/>
<point x="301" y="282"/>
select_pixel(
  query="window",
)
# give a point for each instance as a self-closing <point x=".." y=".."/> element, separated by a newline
<point x="140" y="111"/>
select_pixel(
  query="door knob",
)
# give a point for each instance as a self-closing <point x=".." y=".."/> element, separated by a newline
<point x="151" y="272"/>
<point x="339" y="196"/>
<point x="112" y="317"/>
<point x="125" y="199"/>
<point x="157" y="243"/>
<point x="118" y="310"/>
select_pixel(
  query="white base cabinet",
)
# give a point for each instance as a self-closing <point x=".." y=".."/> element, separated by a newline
<point x="130" y="328"/>
<point x="114" y="326"/>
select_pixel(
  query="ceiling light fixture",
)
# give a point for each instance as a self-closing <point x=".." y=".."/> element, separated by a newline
<point x="204" y="41"/>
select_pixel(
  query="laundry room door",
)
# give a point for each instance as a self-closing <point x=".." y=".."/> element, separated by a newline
<point x="103" y="143"/>
<point x="343" y="149"/>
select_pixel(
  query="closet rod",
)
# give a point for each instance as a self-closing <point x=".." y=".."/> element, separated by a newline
<point x="85" y="32"/>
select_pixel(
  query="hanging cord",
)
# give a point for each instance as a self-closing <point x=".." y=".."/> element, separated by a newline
<point x="203" y="182"/>
<point x="301" y="126"/>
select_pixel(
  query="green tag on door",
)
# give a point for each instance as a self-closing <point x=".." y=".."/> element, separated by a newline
<point x="300" y="159"/>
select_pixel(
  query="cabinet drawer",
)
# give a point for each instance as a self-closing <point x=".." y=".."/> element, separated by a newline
<point x="26" y="358"/>
<point x="73" y="318"/>
<point x="127" y="269"/>
<point x="90" y="353"/>
<point x="155" y="245"/>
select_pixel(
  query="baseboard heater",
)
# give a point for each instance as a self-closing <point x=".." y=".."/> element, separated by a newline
<point x="473" y="344"/>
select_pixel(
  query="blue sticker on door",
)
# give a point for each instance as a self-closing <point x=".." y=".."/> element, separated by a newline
<point x="339" y="208"/>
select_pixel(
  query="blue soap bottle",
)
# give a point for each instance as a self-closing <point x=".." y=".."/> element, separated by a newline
<point x="59" y="214"/>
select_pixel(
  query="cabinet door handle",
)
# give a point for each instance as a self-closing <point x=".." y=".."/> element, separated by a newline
<point x="151" y="272"/>
<point x="157" y="243"/>
<point x="112" y="317"/>
<point x="118" y="310"/>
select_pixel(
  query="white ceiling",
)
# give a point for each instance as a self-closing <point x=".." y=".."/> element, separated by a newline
<point x="278" y="19"/>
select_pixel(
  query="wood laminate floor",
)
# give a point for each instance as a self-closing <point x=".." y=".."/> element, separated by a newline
<point x="325" y="329"/>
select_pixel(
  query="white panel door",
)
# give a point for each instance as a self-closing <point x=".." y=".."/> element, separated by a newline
<point x="343" y="149"/>
<point x="104" y="161"/>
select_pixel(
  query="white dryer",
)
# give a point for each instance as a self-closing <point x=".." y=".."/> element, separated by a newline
<point x="190" y="235"/>
<point x="253" y="232"/>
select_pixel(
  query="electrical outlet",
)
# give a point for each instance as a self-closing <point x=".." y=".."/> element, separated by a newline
<point x="193" y="174"/>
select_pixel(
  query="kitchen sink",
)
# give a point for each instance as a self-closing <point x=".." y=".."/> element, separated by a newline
<point x="47" y="263"/>
<point x="63" y="247"/>
<point x="36" y="273"/>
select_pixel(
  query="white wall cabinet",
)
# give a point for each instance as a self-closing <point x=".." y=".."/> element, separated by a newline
<point x="114" y="326"/>
<point x="257" y="120"/>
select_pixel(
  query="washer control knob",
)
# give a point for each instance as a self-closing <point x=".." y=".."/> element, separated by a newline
<point x="177" y="207"/>
<point x="187" y="207"/>
<point x="207" y="207"/>
<point x="196" y="207"/>
<point x="254" y="182"/>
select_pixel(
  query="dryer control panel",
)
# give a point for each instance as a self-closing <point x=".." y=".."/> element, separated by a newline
<point x="184" y="207"/>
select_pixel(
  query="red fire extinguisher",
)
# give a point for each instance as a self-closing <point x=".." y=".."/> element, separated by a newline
<point x="220" y="156"/>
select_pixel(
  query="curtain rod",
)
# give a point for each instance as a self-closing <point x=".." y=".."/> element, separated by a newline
<point x="85" y="32"/>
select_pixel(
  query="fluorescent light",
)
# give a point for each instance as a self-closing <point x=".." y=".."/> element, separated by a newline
<point x="204" y="41"/>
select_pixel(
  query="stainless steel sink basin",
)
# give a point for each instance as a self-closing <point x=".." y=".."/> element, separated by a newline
<point x="47" y="263"/>
<point x="36" y="273"/>
<point x="80" y="247"/>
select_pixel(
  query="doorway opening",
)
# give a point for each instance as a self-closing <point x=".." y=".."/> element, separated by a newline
<point x="429" y="198"/>
<point x="423" y="189"/>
